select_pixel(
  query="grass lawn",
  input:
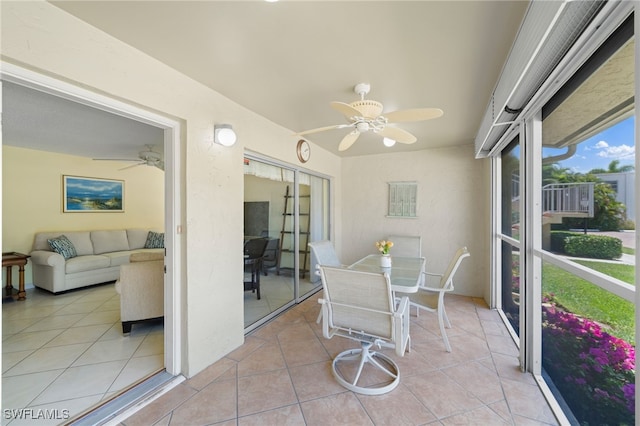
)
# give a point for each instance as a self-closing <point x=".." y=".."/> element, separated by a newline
<point x="585" y="299"/>
<point x="627" y="250"/>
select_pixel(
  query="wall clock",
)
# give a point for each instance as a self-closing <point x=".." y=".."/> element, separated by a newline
<point x="303" y="150"/>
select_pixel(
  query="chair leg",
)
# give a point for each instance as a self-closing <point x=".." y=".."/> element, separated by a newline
<point x="444" y="334"/>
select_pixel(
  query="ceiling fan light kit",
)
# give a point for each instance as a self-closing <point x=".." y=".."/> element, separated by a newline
<point x="365" y="115"/>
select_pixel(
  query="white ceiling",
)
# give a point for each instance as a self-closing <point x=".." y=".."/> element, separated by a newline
<point x="288" y="60"/>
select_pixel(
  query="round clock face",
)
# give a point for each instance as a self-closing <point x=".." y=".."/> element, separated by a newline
<point x="303" y="150"/>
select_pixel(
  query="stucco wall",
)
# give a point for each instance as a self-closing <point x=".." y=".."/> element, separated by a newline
<point x="452" y="208"/>
<point x="41" y="37"/>
<point x="32" y="197"/>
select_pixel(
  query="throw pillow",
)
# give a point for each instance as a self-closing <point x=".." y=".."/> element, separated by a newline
<point x="63" y="246"/>
<point x="154" y="240"/>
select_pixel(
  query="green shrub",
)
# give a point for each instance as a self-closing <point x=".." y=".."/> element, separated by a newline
<point x="593" y="246"/>
<point x="559" y="238"/>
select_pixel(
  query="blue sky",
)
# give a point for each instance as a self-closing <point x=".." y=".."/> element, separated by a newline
<point x="615" y="143"/>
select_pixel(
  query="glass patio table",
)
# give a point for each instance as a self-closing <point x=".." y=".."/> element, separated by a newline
<point x="405" y="273"/>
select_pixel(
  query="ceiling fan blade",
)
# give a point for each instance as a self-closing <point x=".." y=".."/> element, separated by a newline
<point x="322" y="129"/>
<point x="345" y="109"/>
<point x="416" y="114"/>
<point x="131" y="166"/>
<point x="116" y="159"/>
<point x="397" y="134"/>
<point x="348" y="140"/>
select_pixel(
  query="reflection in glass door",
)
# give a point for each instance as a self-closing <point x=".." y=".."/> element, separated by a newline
<point x="316" y="203"/>
<point x="268" y="214"/>
<point x="289" y="209"/>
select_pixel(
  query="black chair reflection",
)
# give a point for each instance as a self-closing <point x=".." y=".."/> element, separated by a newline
<point x="253" y="256"/>
<point x="271" y="255"/>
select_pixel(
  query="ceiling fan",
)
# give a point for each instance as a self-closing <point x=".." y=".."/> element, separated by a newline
<point x="366" y="115"/>
<point x="145" y="158"/>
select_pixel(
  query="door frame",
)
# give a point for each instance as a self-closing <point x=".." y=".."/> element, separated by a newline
<point x="172" y="184"/>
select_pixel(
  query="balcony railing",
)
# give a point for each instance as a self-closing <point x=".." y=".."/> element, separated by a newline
<point x="568" y="199"/>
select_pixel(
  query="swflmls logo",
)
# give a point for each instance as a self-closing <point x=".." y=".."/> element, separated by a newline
<point x="36" y="414"/>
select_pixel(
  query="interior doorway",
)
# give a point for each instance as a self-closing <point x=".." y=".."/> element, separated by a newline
<point x="172" y="196"/>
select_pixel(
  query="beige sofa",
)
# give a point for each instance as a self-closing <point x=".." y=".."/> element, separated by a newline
<point x="99" y="257"/>
<point x="141" y="289"/>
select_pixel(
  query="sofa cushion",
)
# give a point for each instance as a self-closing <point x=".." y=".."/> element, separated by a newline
<point x="86" y="263"/>
<point x="80" y="239"/>
<point x="109" y="241"/>
<point x="137" y="238"/>
<point x="63" y="246"/>
<point x="118" y="258"/>
<point x="155" y="240"/>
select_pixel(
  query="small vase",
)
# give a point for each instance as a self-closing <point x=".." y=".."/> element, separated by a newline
<point x="385" y="261"/>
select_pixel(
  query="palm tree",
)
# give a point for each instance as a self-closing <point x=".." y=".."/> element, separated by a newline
<point x="614" y="168"/>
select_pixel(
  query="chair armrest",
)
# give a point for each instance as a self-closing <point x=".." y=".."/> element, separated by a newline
<point x="402" y="321"/>
<point x="433" y="274"/>
<point x="48" y="258"/>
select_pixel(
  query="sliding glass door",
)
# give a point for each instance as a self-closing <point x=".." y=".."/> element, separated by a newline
<point x="287" y="208"/>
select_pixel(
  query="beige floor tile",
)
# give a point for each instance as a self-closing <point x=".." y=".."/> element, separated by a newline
<point x="479" y="416"/>
<point x="136" y="369"/>
<point x="26" y="341"/>
<point x="105" y="317"/>
<point x="49" y="359"/>
<point x="266" y="391"/>
<point x="17" y="325"/>
<point x="19" y="391"/>
<point x="441" y="394"/>
<point x="78" y="382"/>
<point x="212" y="373"/>
<point x="398" y="407"/>
<point x="215" y="403"/>
<point x="55" y="322"/>
<point x="267" y="358"/>
<point x="152" y="344"/>
<point x="10" y="359"/>
<point x="111" y="350"/>
<point x="313" y="381"/>
<point x="527" y="401"/>
<point x="285" y="416"/>
<point x="78" y="308"/>
<point x="477" y="379"/>
<point x="341" y="409"/>
<point x="302" y="352"/>
<point x="89" y="333"/>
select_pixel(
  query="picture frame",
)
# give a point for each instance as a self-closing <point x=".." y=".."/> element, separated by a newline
<point x="92" y="195"/>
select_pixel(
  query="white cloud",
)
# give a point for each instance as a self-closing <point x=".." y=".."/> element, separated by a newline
<point x="601" y="144"/>
<point x="621" y="152"/>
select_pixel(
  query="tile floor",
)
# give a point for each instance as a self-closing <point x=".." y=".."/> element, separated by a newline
<point x="281" y="375"/>
<point x="68" y="352"/>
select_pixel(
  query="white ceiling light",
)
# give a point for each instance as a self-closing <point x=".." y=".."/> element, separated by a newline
<point x="223" y="134"/>
<point x="388" y="142"/>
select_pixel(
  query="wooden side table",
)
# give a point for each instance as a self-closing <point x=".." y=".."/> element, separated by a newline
<point x="10" y="259"/>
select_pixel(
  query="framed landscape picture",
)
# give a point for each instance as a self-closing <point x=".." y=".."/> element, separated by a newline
<point x="91" y="195"/>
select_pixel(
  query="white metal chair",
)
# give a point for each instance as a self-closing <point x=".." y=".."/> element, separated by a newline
<point x="359" y="306"/>
<point x="431" y="299"/>
<point x="406" y="245"/>
<point x="323" y="253"/>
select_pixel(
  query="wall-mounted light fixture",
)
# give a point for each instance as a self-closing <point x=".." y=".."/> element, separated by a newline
<point x="223" y="134"/>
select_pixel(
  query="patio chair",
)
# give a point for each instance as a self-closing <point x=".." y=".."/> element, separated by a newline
<point x="406" y="245"/>
<point x="322" y="253"/>
<point x="359" y="306"/>
<point x="431" y="299"/>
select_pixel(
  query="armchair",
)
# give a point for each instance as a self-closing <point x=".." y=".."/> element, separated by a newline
<point x="141" y="289"/>
<point x="359" y="306"/>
